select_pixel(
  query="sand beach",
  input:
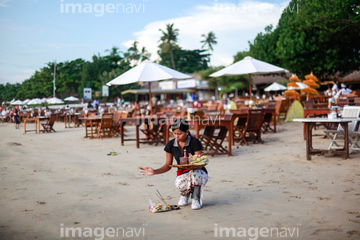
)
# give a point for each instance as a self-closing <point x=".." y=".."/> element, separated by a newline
<point x="55" y="184"/>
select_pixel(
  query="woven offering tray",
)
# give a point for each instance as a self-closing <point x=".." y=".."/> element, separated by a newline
<point x="188" y="166"/>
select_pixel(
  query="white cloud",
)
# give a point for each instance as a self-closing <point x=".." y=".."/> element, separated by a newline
<point x="3" y="3"/>
<point x="233" y="24"/>
<point x="16" y="78"/>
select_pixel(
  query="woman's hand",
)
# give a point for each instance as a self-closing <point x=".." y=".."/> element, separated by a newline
<point x="147" y="171"/>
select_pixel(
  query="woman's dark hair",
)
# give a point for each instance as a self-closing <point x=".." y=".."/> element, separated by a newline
<point x="181" y="124"/>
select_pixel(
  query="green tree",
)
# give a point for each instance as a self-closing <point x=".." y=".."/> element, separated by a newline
<point x="322" y="36"/>
<point x="264" y="46"/>
<point x="240" y="56"/>
<point x="8" y="91"/>
<point x="209" y="40"/>
<point x="68" y="78"/>
<point x="114" y="56"/>
<point x="144" y="54"/>
<point x="187" y="61"/>
<point x="168" y="38"/>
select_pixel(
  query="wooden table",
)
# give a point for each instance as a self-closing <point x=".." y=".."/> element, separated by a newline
<point x="310" y="123"/>
<point x="316" y="112"/>
<point x="92" y="120"/>
<point x="202" y="123"/>
<point x="37" y="123"/>
<point x="68" y="117"/>
<point x="138" y="121"/>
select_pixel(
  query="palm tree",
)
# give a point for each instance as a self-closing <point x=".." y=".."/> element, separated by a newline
<point x="210" y="40"/>
<point x="168" y="38"/>
<point x="133" y="50"/>
<point x="114" y="56"/>
<point x="144" y="54"/>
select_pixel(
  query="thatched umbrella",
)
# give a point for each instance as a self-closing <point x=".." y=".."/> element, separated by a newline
<point x="291" y="92"/>
<point x="311" y="77"/>
<point x="292" y="85"/>
<point x="294" y="78"/>
<point x="311" y="83"/>
<point x="309" y="91"/>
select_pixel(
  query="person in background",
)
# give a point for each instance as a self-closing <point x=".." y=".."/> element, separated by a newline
<point x="17" y="119"/>
<point x="119" y="103"/>
<point x="231" y="103"/>
<point x="193" y="96"/>
<point x="335" y="88"/>
<point x="343" y="91"/>
<point x="89" y="105"/>
<point x="329" y="91"/>
<point x="95" y="104"/>
<point x="4" y="114"/>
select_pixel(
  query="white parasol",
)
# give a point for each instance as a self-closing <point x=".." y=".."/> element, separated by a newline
<point x="147" y="71"/>
<point x="275" y="87"/>
<point x="248" y="66"/>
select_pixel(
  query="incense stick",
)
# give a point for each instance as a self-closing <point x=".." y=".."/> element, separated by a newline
<point x="160" y="196"/>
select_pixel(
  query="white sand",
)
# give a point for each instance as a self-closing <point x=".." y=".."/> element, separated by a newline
<point x="62" y="178"/>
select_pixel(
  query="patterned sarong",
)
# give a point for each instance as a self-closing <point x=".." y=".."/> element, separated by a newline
<point x="193" y="178"/>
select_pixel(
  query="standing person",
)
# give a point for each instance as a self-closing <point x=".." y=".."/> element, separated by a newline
<point x="335" y="87"/>
<point x="187" y="181"/>
<point x="119" y="103"/>
<point x="95" y="104"/>
<point x="17" y="119"/>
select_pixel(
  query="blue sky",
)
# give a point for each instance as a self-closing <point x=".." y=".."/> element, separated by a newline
<point x="35" y="32"/>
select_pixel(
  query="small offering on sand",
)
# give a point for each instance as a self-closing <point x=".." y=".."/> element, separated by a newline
<point x="112" y="154"/>
<point x="161" y="207"/>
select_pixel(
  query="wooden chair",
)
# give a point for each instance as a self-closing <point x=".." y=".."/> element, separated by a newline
<point x="252" y="131"/>
<point x="116" y="128"/>
<point x="239" y="128"/>
<point x="309" y="104"/>
<point x="206" y="136"/>
<point x="89" y="126"/>
<point x="200" y="114"/>
<point x="154" y="131"/>
<point x="284" y="107"/>
<point x="105" y="126"/>
<point x="268" y="118"/>
<point x="212" y="107"/>
<point x="48" y="127"/>
<point x="77" y="119"/>
<point x="214" y="142"/>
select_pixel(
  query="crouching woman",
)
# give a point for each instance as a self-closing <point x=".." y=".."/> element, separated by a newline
<point x="188" y="182"/>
